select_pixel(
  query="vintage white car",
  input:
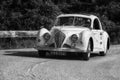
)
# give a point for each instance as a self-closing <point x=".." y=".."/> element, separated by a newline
<point x="76" y="33"/>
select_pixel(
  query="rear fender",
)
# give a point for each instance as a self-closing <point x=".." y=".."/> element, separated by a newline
<point x="106" y="42"/>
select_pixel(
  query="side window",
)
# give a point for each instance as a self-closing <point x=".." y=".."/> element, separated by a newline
<point x="96" y="24"/>
<point x="84" y="22"/>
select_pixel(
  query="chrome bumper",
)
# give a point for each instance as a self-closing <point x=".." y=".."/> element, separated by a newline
<point x="59" y="49"/>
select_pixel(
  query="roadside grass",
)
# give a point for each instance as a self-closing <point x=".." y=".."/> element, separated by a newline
<point x="17" y="43"/>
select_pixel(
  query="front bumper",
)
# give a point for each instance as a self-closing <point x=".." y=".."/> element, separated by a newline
<point x="59" y="49"/>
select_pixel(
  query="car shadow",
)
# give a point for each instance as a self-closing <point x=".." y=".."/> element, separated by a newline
<point x="34" y="54"/>
<point x="22" y="53"/>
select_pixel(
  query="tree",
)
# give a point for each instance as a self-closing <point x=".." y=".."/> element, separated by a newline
<point x="27" y="14"/>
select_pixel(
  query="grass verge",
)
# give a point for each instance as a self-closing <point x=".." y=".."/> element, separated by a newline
<point x="17" y="43"/>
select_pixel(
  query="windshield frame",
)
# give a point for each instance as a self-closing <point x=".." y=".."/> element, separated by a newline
<point x="73" y="23"/>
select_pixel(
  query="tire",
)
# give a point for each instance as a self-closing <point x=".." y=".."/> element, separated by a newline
<point x="103" y="53"/>
<point x="86" y="56"/>
<point x="42" y="53"/>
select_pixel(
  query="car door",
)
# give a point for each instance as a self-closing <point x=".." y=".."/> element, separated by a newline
<point x="97" y="35"/>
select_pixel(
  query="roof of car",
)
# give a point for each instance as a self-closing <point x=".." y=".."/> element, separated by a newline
<point x="79" y="15"/>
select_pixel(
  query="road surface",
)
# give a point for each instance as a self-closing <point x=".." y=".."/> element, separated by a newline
<point x="24" y="64"/>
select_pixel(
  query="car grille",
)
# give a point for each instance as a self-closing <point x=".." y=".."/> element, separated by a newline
<point x="59" y="38"/>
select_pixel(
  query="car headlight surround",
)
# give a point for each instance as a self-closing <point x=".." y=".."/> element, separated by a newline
<point x="46" y="36"/>
<point x="74" y="38"/>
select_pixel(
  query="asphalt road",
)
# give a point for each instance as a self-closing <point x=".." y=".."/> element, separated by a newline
<point x="24" y="64"/>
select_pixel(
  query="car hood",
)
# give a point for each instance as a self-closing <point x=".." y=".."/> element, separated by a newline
<point x="70" y="29"/>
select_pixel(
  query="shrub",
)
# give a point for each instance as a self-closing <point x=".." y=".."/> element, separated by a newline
<point x="14" y="43"/>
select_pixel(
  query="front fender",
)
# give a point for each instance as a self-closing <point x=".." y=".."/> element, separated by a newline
<point x="86" y="35"/>
<point x="42" y="31"/>
<point x="40" y="39"/>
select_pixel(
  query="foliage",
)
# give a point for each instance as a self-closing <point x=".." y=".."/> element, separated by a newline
<point x="27" y="14"/>
<point x="10" y="43"/>
<point x="32" y="14"/>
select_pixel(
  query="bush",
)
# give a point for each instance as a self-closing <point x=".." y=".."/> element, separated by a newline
<point x="27" y="14"/>
<point x="32" y="14"/>
<point x="15" y="43"/>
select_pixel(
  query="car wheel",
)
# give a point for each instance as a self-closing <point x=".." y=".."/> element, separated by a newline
<point x="103" y="53"/>
<point x="86" y="56"/>
<point x="42" y="53"/>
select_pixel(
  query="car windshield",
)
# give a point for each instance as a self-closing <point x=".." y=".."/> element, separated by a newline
<point x="73" y="21"/>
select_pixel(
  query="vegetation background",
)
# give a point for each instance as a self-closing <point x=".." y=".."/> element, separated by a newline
<point x="32" y="14"/>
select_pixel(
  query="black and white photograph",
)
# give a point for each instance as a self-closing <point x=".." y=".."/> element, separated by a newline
<point x="59" y="40"/>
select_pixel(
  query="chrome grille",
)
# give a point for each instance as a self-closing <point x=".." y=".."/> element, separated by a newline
<point x="59" y="38"/>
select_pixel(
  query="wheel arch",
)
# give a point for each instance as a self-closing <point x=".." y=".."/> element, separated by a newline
<point x="40" y="40"/>
<point x="86" y="38"/>
<point x="108" y="43"/>
<point x="92" y="43"/>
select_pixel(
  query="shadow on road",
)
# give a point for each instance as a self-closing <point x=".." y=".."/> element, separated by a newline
<point x="34" y="54"/>
<point x="22" y="53"/>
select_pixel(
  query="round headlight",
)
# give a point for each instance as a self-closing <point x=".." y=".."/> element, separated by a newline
<point x="46" y="36"/>
<point x="74" y="38"/>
